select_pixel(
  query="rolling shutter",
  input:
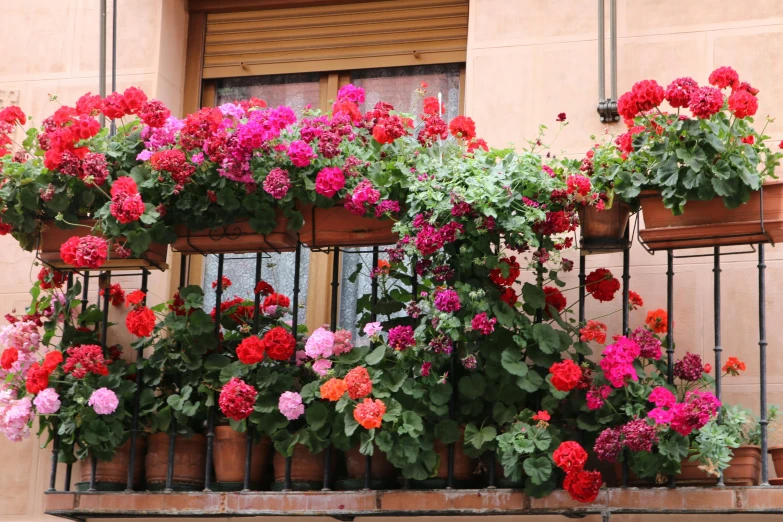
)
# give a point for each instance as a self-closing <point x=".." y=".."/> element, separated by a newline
<point x="337" y="37"/>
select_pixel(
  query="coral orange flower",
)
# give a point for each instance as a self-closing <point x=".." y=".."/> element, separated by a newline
<point x="369" y="413"/>
<point x="657" y="320"/>
<point x="634" y="300"/>
<point x="593" y="331"/>
<point x="733" y="366"/>
<point x="333" y="389"/>
<point x="383" y="266"/>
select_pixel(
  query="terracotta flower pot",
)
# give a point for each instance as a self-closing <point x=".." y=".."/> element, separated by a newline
<point x="230" y="450"/>
<point x="112" y="475"/>
<point x="189" y="461"/>
<point x="744" y="468"/>
<point x="237" y="237"/>
<point x="603" y="230"/>
<point x="776" y="453"/>
<point x="381" y="468"/>
<point x="710" y="223"/>
<point x="306" y="467"/>
<point x="336" y="226"/>
<point x="52" y="237"/>
<point x="691" y="475"/>
<point x="464" y="466"/>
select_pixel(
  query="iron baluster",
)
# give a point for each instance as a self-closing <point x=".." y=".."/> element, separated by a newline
<point x="333" y="327"/>
<point x="294" y="328"/>
<point x="670" y="325"/>
<point x="137" y="393"/>
<point x="373" y="317"/>
<point x="626" y="276"/>
<point x="763" y="420"/>
<point x="211" y="412"/>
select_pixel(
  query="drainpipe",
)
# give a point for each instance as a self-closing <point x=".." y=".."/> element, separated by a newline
<point x="113" y="129"/>
<point x="102" y="57"/>
<point x="607" y="107"/>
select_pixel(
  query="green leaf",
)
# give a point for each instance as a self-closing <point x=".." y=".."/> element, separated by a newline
<point x="547" y="338"/>
<point x="447" y="431"/>
<point x="478" y="437"/>
<point x="472" y="386"/>
<point x="216" y="361"/>
<point x="538" y="469"/>
<point x="350" y="425"/>
<point x="376" y="355"/>
<point x="533" y="295"/>
<point x="393" y="411"/>
<point x="316" y="415"/>
<point x="511" y="360"/>
<point x="531" y="382"/>
<point x="667" y="173"/>
<point x="441" y="393"/>
<point x="411" y="424"/>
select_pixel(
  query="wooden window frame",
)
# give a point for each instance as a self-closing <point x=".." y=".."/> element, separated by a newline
<point x="200" y="92"/>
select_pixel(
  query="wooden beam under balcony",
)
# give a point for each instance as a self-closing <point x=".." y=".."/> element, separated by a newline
<point x="349" y="504"/>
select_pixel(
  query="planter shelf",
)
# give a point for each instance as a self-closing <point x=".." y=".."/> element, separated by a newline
<point x="337" y="227"/>
<point x="710" y="223"/>
<point x="236" y="238"/>
<point x="52" y="237"/>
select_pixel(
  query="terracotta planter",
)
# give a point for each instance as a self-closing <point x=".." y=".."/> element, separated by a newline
<point x="603" y="230"/>
<point x="744" y="468"/>
<point x="710" y="223"/>
<point x="691" y="475"/>
<point x="336" y="226"/>
<point x="776" y="453"/>
<point x="52" y="238"/>
<point x="230" y="450"/>
<point x="189" y="461"/>
<point x="464" y="466"/>
<point x="112" y="475"/>
<point x="306" y="467"/>
<point x="381" y="468"/>
<point x="237" y="237"/>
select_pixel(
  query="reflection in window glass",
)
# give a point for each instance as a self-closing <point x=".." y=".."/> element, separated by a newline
<point x="397" y="86"/>
<point x="293" y="90"/>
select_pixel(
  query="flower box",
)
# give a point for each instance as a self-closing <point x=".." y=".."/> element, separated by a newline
<point x="230" y="451"/>
<point x="238" y="237"/>
<point x="603" y="231"/>
<point x="112" y="475"/>
<point x="710" y="223"/>
<point x="336" y="226"/>
<point x="189" y="462"/>
<point x="52" y="237"/>
<point x="745" y="467"/>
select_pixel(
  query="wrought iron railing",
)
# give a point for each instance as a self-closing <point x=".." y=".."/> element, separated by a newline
<point x="671" y="253"/>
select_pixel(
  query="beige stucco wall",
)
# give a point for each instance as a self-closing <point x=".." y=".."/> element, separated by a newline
<point x="527" y="61"/>
<point x="51" y="47"/>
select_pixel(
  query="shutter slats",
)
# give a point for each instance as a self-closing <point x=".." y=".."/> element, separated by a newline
<point x="343" y="37"/>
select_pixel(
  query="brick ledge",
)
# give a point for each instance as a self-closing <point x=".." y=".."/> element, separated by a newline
<point x="349" y="504"/>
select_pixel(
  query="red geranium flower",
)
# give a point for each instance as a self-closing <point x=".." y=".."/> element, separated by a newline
<point x="369" y="413"/>
<point x="657" y="321"/>
<point x="237" y="399"/>
<point x="37" y="379"/>
<point x="555" y="299"/>
<point x="583" y="486"/>
<point x="263" y="288"/>
<point x="463" y="127"/>
<point x="509" y="296"/>
<point x="9" y="357"/>
<point x="251" y="350"/>
<point x="277" y="300"/>
<point x="601" y="284"/>
<point x="52" y="360"/>
<point x="279" y="344"/>
<point x="733" y="366"/>
<point x="570" y="456"/>
<point x="359" y="383"/>
<point x="116" y="294"/>
<point x="225" y="283"/>
<point x="723" y="77"/>
<point x="140" y="321"/>
<point x="634" y="300"/>
<point x="593" y="331"/>
<point x="49" y="278"/>
<point x="743" y="104"/>
<point x="135" y="298"/>
<point x="542" y="416"/>
<point x="566" y="375"/>
<point x="496" y="274"/>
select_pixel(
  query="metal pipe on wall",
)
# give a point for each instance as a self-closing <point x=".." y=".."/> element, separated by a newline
<point x="607" y="107"/>
<point x="102" y="57"/>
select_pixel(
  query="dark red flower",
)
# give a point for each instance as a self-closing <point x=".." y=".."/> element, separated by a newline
<point x="705" y="102"/>
<point x="263" y="288"/>
<point x="555" y="299"/>
<point x="154" y="113"/>
<point x="583" y="486"/>
<point x="647" y="94"/>
<point x="678" y="93"/>
<point x="116" y="294"/>
<point x="723" y="77"/>
<point x="49" y="278"/>
<point x="601" y="284"/>
<point x="496" y="274"/>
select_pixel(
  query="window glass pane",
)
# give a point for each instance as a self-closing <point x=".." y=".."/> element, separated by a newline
<point x="395" y="85"/>
<point x="293" y="90"/>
